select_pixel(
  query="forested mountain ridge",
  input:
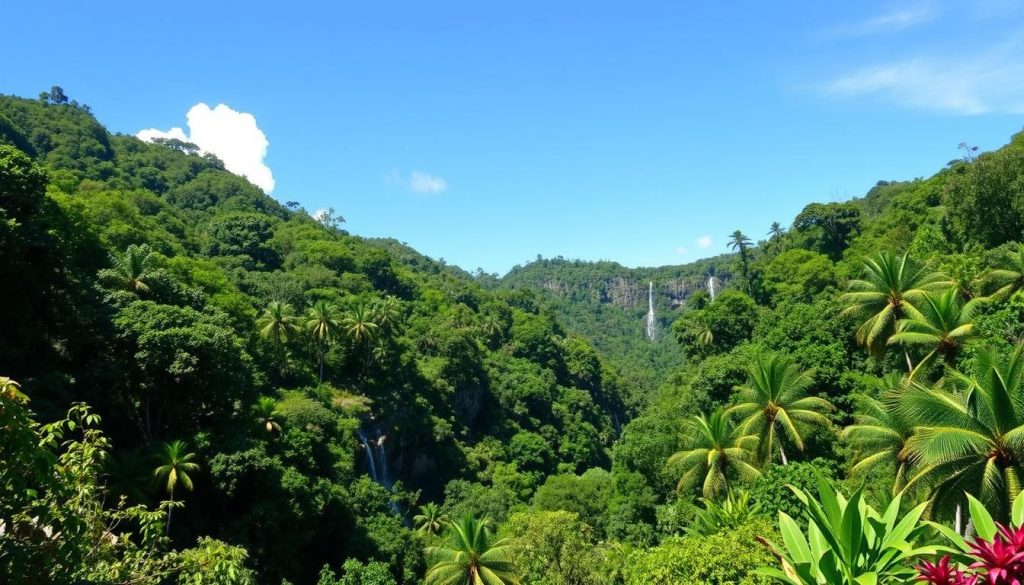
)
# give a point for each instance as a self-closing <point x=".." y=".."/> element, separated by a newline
<point x="294" y="359"/>
<point x="199" y="384"/>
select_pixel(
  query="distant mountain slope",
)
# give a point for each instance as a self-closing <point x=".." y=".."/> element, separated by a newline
<point x="607" y="303"/>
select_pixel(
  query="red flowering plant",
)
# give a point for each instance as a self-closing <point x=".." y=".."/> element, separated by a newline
<point x="994" y="557"/>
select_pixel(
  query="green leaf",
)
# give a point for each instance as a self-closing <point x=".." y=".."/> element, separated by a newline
<point x="867" y="579"/>
<point x="951" y="535"/>
<point x="1017" y="515"/>
<point x="983" y="523"/>
<point x="794" y="539"/>
<point x="852" y="533"/>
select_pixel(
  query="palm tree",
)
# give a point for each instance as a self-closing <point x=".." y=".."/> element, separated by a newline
<point x="1008" y="278"/>
<point x="279" y="323"/>
<point x="880" y="433"/>
<point x="714" y="451"/>
<point x="885" y="294"/>
<point x="471" y="557"/>
<point x="175" y="465"/>
<point x="738" y="241"/>
<point x="775" y="397"/>
<point x="358" y="324"/>
<point x="387" y="314"/>
<point x="776" y="231"/>
<point x="972" y="439"/>
<point x="323" y="330"/>
<point x="430" y="521"/>
<point x="491" y="326"/>
<point x="131" y="270"/>
<point x="939" y="321"/>
<point x="265" y="411"/>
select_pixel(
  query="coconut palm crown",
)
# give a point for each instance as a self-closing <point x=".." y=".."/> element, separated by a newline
<point x="715" y="452"/>
<point x="774" y="400"/>
<point x="471" y="556"/>
<point x="884" y="296"/>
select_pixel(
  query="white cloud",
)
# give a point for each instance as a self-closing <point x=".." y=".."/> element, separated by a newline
<point x="890" y="22"/>
<point x="990" y="83"/>
<point x="428" y="184"/>
<point x="232" y="136"/>
<point x="682" y="250"/>
<point x="704" y="241"/>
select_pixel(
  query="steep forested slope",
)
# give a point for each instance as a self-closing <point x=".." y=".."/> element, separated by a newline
<point x="294" y="359"/>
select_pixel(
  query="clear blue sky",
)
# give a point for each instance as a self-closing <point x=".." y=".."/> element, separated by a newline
<point x="599" y="130"/>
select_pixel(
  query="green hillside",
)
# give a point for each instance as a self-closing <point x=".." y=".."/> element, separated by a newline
<point x="200" y="384"/>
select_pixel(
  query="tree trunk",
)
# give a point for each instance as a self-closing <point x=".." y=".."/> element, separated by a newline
<point x="169" y="511"/>
<point x="321" y="367"/>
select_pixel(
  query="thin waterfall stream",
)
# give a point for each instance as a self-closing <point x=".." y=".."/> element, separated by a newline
<point x="652" y="324"/>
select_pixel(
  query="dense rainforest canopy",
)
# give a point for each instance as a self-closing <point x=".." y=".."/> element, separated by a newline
<point x="201" y="384"/>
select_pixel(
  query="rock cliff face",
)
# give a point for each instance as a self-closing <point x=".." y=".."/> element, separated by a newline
<point x="629" y="293"/>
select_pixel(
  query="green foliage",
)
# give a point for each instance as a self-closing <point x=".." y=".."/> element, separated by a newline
<point x="586" y="495"/>
<point x="57" y="523"/>
<point x="848" y="542"/>
<point x="727" y="557"/>
<point x="215" y="563"/>
<point x="718" y="327"/>
<point x="828" y="227"/>
<point x="799" y="275"/>
<point x="553" y="548"/>
<point x="985" y="198"/>
<point x="771" y="491"/>
<point x="732" y="513"/>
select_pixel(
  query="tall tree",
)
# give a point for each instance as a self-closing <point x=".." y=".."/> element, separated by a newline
<point x="131" y="271"/>
<point x="776" y="231"/>
<point x="279" y="323"/>
<point x="884" y="296"/>
<point x="323" y="330"/>
<point x="430" y="520"/>
<point x="714" y="451"/>
<point x="387" y="314"/>
<point x="359" y="325"/>
<point x="738" y="241"/>
<point x="880" y="433"/>
<point x="175" y="464"/>
<point x="265" y="411"/>
<point x="775" y="398"/>
<point x="942" y="324"/>
<point x="1007" y="278"/>
<point x="471" y="557"/>
<point x="972" y="439"/>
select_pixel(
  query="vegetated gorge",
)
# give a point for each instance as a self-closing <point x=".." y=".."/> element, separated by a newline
<point x="203" y="385"/>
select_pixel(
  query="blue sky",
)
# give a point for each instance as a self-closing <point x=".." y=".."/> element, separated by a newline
<point x="489" y="132"/>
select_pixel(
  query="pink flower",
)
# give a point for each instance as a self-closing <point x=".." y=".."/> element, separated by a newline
<point x="942" y="574"/>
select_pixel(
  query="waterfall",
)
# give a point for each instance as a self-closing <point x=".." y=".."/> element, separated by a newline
<point x="651" y="324"/>
<point x="385" y="477"/>
<point x="377" y="461"/>
<point x="371" y="458"/>
<point x="711" y="287"/>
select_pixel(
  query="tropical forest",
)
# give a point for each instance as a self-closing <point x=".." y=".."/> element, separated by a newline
<point x="201" y="383"/>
